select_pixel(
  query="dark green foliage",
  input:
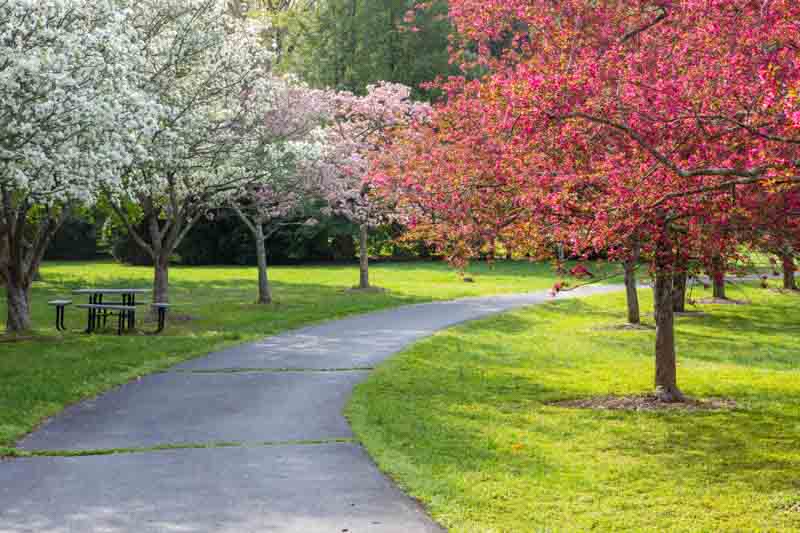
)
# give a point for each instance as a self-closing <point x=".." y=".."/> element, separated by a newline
<point x="117" y="242"/>
<point x="76" y="240"/>
<point x="348" y="44"/>
<point x="222" y="239"/>
<point x="387" y="241"/>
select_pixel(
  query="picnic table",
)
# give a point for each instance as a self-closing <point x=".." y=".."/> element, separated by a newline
<point x="98" y="311"/>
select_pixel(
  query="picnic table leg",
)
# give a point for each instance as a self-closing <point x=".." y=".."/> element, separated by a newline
<point x="90" y="316"/>
<point x="162" y="319"/>
<point x="60" y="318"/>
<point x="104" y="311"/>
<point x="131" y="298"/>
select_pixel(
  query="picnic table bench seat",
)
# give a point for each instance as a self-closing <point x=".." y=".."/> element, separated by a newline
<point x="110" y="307"/>
<point x="60" y="305"/>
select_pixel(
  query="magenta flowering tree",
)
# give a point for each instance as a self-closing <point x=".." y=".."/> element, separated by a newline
<point x="622" y="127"/>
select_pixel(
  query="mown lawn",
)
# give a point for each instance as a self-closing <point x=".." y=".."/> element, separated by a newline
<point x="39" y="376"/>
<point x="462" y="421"/>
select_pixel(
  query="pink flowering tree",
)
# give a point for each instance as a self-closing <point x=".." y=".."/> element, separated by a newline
<point x="293" y="141"/>
<point x="362" y="126"/>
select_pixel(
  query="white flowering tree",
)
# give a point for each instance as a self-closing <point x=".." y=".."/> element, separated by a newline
<point x="210" y="79"/>
<point x="68" y="106"/>
<point x="361" y="127"/>
<point x="293" y="125"/>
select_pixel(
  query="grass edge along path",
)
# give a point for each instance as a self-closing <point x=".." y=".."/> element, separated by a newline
<point x="463" y="421"/>
<point x="214" y="309"/>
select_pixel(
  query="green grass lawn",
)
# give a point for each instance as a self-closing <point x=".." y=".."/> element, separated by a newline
<point x="462" y="421"/>
<point x="38" y="377"/>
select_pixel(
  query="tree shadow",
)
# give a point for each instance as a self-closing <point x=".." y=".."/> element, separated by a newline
<point x="457" y="403"/>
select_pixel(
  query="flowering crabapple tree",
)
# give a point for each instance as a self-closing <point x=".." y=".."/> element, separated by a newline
<point x="293" y="126"/>
<point x="209" y="79"/>
<point x="773" y="221"/>
<point x="69" y="104"/>
<point x="361" y="128"/>
<point x="618" y="142"/>
<point x="263" y="208"/>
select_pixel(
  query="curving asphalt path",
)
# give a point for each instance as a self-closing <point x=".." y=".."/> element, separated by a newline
<point x="256" y="434"/>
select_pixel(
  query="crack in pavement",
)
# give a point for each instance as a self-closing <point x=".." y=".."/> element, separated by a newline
<point x="19" y="453"/>
<point x="266" y="370"/>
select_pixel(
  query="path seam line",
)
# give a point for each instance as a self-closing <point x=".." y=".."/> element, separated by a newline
<point x="21" y="453"/>
<point x="266" y="370"/>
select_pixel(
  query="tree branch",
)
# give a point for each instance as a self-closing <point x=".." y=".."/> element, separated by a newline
<point x="636" y="31"/>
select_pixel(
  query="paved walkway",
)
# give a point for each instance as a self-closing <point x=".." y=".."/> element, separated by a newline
<point x="255" y="435"/>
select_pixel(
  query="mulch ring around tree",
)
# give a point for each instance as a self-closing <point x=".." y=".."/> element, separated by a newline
<point x="174" y="317"/>
<point x="368" y="290"/>
<point x="8" y="339"/>
<point x="646" y="402"/>
<point x="720" y="301"/>
<point x="786" y="291"/>
<point x="625" y="327"/>
<point x="697" y="314"/>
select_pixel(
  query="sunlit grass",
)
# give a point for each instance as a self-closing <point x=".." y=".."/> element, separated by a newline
<point x="462" y="421"/>
<point x="38" y="377"/>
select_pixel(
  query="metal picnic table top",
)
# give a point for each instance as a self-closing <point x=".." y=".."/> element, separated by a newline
<point x="111" y="291"/>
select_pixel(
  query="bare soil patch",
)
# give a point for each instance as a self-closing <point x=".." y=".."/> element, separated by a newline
<point x="697" y="314"/>
<point x="174" y="317"/>
<point x="646" y="403"/>
<point x="8" y="339"/>
<point x="369" y="290"/>
<point x="625" y="327"/>
<point x="720" y="301"/>
<point x="786" y="291"/>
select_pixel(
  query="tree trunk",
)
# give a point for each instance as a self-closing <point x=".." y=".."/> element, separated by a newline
<point x="264" y="292"/>
<point x="718" y="278"/>
<point x="719" y="287"/>
<point x="562" y="256"/>
<point x="631" y="293"/>
<point x="18" y="307"/>
<point x="364" y="259"/>
<point x="22" y="247"/>
<point x="679" y="282"/>
<point x="666" y="372"/>
<point x="788" y="272"/>
<point x="161" y="281"/>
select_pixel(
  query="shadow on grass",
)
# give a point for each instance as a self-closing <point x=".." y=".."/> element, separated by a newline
<point x="443" y="425"/>
<point x="465" y="413"/>
<point x="755" y="446"/>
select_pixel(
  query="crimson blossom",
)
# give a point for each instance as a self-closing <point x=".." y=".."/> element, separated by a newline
<point x="623" y="127"/>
